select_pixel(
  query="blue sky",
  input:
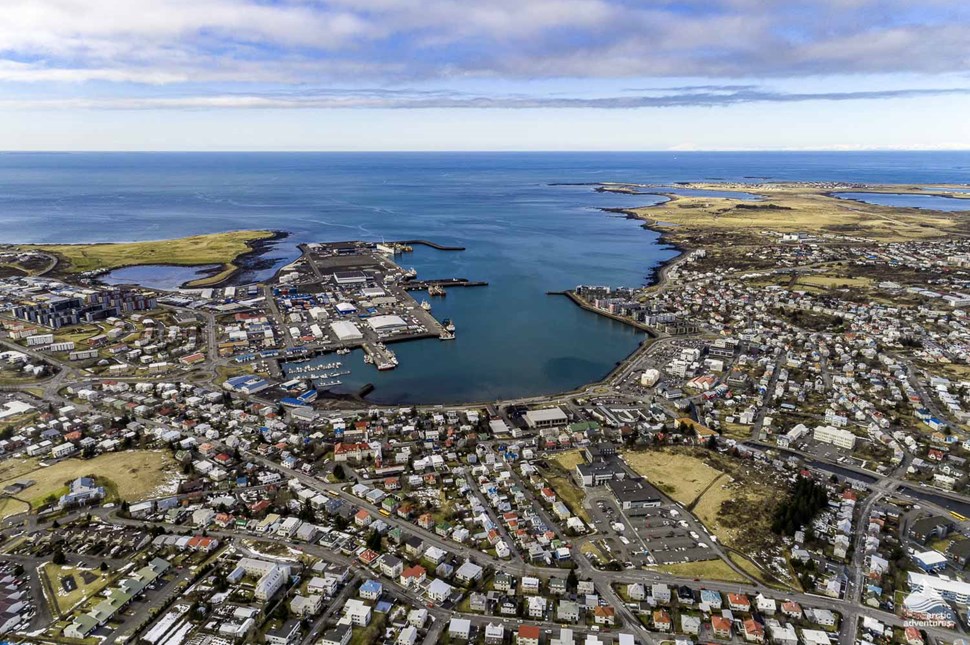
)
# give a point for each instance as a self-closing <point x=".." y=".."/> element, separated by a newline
<point x="484" y="74"/>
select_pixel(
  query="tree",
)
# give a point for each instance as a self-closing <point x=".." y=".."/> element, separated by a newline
<point x="339" y="473"/>
<point x="58" y="557"/>
<point x="374" y="541"/>
<point x="572" y="580"/>
<point x="307" y="514"/>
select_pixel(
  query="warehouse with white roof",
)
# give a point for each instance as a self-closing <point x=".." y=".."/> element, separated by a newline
<point x="345" y="330"/>
<point x="386" y="323"/>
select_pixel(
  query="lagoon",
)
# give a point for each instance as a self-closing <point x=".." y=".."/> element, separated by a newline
<point x="907" y="200"/>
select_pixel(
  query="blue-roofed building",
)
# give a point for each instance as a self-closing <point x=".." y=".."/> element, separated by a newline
<point x="371" y="590"/>
<point x="711" y="598"/>
<point x="246" y="384"/>
<point x="82" y="490"/>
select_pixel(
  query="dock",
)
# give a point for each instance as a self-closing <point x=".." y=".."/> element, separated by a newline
<point x="433" y="245"/>
<point x="342" y="296"/>
<point x="421" y="285"/>
<point x="588" y="307"/>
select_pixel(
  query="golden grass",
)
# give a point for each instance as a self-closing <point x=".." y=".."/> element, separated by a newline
<point x="589" y="548"/>
<point x="752" y="570"/>
<point x="681" y="476"/>
<point x="214" y="248"/>
<point x="13" y="468"/>
<point x="833" y="281"/>
<point x="799" y="209"/>
<point x="705" y="570"/>
<point x="736" y="431"/>
<point x="569" y="493"/>
<point x="65" y="601"/>
<point x="9" y="507"/>
<point x="570" y="459"/>
<point x="729" y="499"/>
<point x="133" y="474"/>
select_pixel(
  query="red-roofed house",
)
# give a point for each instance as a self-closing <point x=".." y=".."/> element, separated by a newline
<point x="413" y="576"/>
<point x="753" y="631"/>
<point x="604" y="615"/>
<point x="739" y="602"/>
<point x="528" y="635"/>
<point x="721" y="627"/>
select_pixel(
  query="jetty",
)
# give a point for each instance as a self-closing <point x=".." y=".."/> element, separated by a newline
<point x="433" y="245"/>
<point x="421" y="285"/>
<point x="602" y="312"/>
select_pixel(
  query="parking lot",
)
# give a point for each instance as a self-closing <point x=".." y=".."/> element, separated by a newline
<point x="660" y="535"/>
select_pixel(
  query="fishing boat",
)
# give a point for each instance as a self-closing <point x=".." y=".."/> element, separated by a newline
<point x="436" y="290"/>
<point x="343" y="350"/>
<point x="426" y="305"/>
<point x="450" y="326"/>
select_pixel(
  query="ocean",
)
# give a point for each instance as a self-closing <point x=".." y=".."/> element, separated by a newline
<point x="524" y="235"/>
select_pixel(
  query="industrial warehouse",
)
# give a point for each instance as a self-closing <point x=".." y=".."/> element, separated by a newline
<point x="342" y="296"/>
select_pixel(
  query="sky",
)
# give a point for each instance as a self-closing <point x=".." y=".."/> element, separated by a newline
<point x="484" y="74"/>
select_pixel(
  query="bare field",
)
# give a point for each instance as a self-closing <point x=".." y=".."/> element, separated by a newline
<point x="799" y="209"/>
<point x="83" y="584"/>
<point x="680" y="475"/>
<point x="731" y="497"/>
<point x="705" y="570"/>
<point x="569" y="459"/>
<point x="133" y="475"/>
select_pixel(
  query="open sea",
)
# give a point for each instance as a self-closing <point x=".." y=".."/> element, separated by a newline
<point x="523" y="235"/>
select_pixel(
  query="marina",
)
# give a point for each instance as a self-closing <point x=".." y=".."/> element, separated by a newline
<point x="342" y="296"/>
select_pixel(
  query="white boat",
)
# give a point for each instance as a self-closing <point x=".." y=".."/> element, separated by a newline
<point x="426" y="305"/>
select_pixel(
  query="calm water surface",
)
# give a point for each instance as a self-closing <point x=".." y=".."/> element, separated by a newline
<point x="524" y="236"/>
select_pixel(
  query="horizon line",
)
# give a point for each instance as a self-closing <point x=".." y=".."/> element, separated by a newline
<point x="474" y="151"/>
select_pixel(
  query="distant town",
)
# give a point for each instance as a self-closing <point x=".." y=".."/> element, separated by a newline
<point x="782" y="460"/>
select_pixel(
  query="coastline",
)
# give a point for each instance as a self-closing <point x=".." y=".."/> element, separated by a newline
<point x="243" y="261"/>
<point x="248" y="261"/>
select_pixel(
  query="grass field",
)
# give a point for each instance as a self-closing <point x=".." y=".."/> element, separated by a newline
<point x="752" y="570"/>
<point x="832" y="281"/>
<point x="590" y="548"/>
<point x="736" y="431"/>
<point x="732" y="497"/>
<point x="706" y="570"/>
<point x="570" y="494"/>
<point x="680" y="475"/>
<point x="799" y="208"/>
<point x="569" y="459"/>
<point x="66" y="600"/>
<point x="13" y="468"/>
<point x="10" y="507"/>
<point x="131" y="475"/>
<point x="215" y="248"/>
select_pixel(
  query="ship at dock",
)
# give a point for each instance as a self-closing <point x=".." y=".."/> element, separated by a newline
<point x="436" y="290"/>
<point x="447" y="330"/>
